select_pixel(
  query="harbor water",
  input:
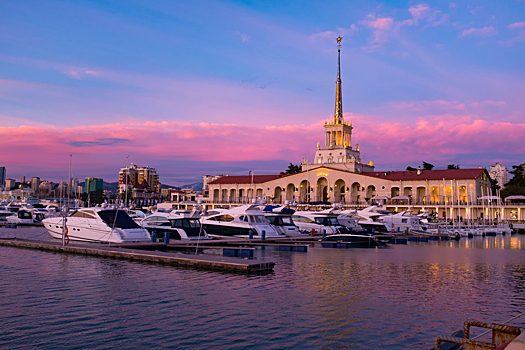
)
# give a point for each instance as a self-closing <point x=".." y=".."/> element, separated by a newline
<point x="397" y="297"/>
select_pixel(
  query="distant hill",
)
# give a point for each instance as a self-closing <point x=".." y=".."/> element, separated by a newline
<point x="197" y="186"/>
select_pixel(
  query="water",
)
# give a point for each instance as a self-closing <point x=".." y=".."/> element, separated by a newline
<point x="395" y="298"/>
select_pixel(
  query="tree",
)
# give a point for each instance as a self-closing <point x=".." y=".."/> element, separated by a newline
<point x="293" y="169"/>
<point x="516" y="186"/>
<point x="452" y="166"/>
<point x="409" y="168"/>
<point x="494" y="187"/>
<point x="427" y="166"/>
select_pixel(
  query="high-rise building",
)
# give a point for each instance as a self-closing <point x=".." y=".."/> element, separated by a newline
<point x="499" y="173"/>
<point x="35" y="182"/>
<point x="2" y="176"/>
<point x="74" y="186"/>
<point x="22" y="179"/>
<point x="139" y="180"/>
<point x="92" y="184"/>
<point x="10" y="183"/>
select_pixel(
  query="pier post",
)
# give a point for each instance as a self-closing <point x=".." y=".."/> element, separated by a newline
<point x="154" y="236"/>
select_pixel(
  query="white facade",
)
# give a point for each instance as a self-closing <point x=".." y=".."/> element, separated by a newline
<point x="499" y="173"/>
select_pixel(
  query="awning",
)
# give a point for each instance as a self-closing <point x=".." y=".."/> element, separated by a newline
<point x="494" y="198"/>
<point x="401" y="197"/>
<point x="516" y="197"/>
<point x="380" y="197"/>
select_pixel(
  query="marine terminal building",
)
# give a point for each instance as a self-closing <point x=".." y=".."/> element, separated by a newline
<point x="338" y="176"/>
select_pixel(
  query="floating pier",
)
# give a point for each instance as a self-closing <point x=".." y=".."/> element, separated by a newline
<point x="217" y="263"/>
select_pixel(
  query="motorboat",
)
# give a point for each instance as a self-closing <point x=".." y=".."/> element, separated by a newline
<point x="367" y="219"/>
<point x="24" y="217"/>
<point x="319" y="222"/>
<point x="348" y="219"/>
<point x="403" y="222"/>
<point x="180" y="224"/>
<point x="238" y="222"/>
<point x="98" y="224"/>
<point x="280" y="217"/>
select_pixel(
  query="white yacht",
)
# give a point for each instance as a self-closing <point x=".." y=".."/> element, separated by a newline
<point x="319" y="221"/>
<point x="24" y="217"/>
<point x="237" y="222"/>
<point x="280" y="217"/>
<point x="404" y="222"/>
<point x="98" y="225"/>
<point x="181" y="225"/>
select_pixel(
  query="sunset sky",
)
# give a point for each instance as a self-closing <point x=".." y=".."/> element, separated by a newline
<point x="208" y="87"/>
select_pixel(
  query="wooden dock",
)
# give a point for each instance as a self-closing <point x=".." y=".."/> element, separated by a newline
<point x="217" y="263"/>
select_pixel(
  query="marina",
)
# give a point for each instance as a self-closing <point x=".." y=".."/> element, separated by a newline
<point x="397" y="296"/>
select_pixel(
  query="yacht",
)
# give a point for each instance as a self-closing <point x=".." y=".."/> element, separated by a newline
<point x="181" y="225"/>
<point x="24" y="217"/>
<point x="98" y="225"/>
<point x="319" y="221"/>
<point x="237" y="222"/>
<point x="280" y="217"/>
<point x="404" y="222"/>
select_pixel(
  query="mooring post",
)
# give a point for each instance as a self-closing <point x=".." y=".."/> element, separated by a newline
<point x="263" y="237"/>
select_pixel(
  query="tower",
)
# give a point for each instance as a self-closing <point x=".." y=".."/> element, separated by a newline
<point x="338" y="151"/>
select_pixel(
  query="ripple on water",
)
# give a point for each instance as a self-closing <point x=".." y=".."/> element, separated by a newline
<point x="401" y="297"/>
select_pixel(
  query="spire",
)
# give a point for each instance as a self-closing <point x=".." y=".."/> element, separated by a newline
<point x="338" y="114"/>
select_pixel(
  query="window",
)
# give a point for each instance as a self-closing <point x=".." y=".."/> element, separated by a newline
<point x="404" y="221"/>
<point x="83" y="214"/>
<point x="303" y="219"/>
<point x="225" y="217"/>
<point x="319" y="161"/>
<point x="120" y="219"/>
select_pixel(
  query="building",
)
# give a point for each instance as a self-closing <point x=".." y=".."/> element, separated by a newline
<point x="338" y="176"/>
<point x="206" y="179"/>
<point x="35" y="183"/>
<point x="10" y="184"/>
<point x="2" y="176"/>
<point x="499" y="173"/>
<point x="22" y="179"/>
<point x="93" y="184"/>
<point x="143" y="182"/>
<point x="184" y="195"/>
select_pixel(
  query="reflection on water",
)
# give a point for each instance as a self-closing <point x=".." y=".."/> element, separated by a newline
<point x="399" y="297"/>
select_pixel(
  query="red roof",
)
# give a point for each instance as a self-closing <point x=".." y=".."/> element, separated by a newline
<point x="447" y="174"/>
<point x="245" y="179"/>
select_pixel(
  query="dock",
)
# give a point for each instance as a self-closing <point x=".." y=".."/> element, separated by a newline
<point x="216" y="263"/>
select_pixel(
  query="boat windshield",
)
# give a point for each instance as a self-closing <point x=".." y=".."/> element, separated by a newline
<point x="258" y="220"/>
<point x="118" y="219"/>
<point x="327" y="221"/>
<point x="287" y="221"/>
<point x="192" y="227"/>
<point x="275" y="220"/>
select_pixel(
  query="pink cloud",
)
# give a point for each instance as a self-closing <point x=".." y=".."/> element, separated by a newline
<point x="72" y="74"/>
<point x="92" y="72"/>
<point x="379" y="23"/>
<point x="436" y="138"/>
<point x="426" y="105"/>
<point x="244" y="37"/>
<point x="486" y="31"/>
<point x="488" y="104"/>
<point x="516" y="25"/>
<point x="330" y="34"/>
<point x="519" y="38"/>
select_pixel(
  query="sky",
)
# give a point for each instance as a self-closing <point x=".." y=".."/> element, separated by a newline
<point x="224" y="87"/>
